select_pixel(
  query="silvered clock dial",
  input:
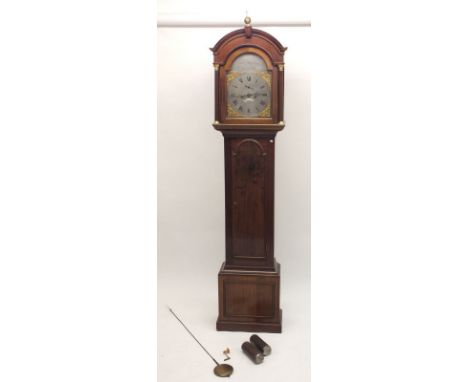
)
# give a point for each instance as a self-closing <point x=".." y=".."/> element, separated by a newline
<point x="249" y="88"/>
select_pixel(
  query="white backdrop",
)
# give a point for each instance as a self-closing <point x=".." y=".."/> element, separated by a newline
<point x="191" y="200"/>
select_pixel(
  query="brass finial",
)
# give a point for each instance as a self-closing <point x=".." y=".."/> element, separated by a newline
<point x="247" y="21"/>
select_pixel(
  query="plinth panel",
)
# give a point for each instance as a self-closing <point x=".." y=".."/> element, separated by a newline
<point x="248" y="298"/>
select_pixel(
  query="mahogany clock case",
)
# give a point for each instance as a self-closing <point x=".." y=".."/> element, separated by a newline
<point x="249" y="279"/>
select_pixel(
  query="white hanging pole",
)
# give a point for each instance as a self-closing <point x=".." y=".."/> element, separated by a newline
<point x="174" y="20"/>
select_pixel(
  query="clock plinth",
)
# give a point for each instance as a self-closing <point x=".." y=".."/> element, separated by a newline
<point x="249" y="83"/>
<point x="249" y="300"/>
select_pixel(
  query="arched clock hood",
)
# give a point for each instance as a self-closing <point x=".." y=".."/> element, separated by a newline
<point x="225" y="51"/>
<point x="245" y="37"/>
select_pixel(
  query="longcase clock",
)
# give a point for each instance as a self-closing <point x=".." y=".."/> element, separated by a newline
<point x="249" y="84"/>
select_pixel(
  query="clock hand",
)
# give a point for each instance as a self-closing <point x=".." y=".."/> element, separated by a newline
<point x="248" y="95"/>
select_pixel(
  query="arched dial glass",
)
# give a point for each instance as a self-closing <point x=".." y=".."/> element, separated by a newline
<point x="249" y="88"/>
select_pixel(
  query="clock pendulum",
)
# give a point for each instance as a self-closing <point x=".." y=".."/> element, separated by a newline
<point x="221" y="369"/>
<point x="249" y="87"/>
